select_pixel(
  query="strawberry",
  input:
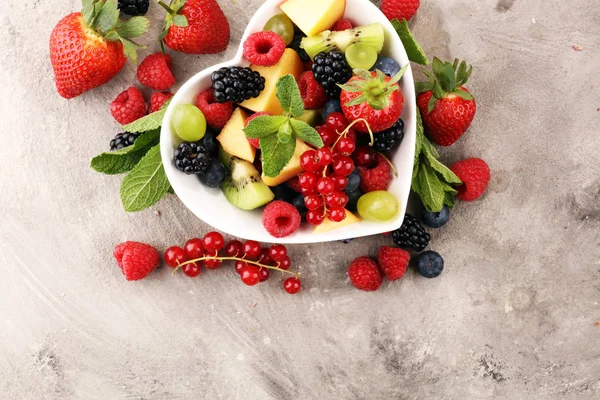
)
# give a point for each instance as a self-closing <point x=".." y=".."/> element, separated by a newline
<point x="373" y="97"/>
<point x="400" y="9"/>
<point x="89" y="48"/>
<point x="195" y="27"/>
<point x="447" y="107"/>
<point x="376" y="178"/>
<point x="135" y="259"/>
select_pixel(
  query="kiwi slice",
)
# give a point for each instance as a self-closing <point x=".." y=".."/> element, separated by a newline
<point x="243" y="186"/>
<point x="372" y="35"/>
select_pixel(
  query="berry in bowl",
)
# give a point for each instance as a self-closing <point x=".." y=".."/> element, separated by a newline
<point x="307" y="135"/>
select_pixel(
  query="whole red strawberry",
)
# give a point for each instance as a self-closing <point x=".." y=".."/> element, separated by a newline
<point x="135" y="259"/>
<point x="157" y="100"/>
<point x="376" y="178"/>
<point x="195" y="27"/>
<point x="447" y="107"/>
<point x="374" y="97"/>
<point x="400" y="9"/>
<point x="393" y="262"/>
<point x="475" y="175"/>
<point x="364" y="274"/>
<point x="87" y="51"/>
<point x="128" y="106"/>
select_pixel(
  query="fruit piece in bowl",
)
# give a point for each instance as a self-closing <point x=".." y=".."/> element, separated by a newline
<point x="294" y="136"/>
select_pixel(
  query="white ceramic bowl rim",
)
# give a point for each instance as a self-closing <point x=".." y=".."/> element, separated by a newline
<point x="211" y="206"/>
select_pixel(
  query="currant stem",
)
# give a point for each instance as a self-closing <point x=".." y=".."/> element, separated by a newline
<point x="345" y="131"/>
<point x="389" y="162"/>
<point x="236" y="259"/>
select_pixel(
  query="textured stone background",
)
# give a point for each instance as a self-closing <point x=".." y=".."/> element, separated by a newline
<point x="515" y="314"/>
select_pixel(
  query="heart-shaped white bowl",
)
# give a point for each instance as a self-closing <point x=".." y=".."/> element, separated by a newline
<point x="211" y="206"/>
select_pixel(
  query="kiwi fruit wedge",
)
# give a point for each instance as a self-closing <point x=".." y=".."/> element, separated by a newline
<point x="372" y="35"/>
<point x="243" y="186"/>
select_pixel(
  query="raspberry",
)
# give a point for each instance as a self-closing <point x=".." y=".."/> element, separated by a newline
<point x="400" y="8"/>
<point x="313" y="94"/>
<point x="135" y="259"/>
<point x="280" y="219"/>
<point x="364" y="274"/>
<point x="155" y="71"/>
<point x="475" y="175"/>
<point x="157" y="100"/>
<point x="216" y="114"/>
<point x="128" y="106"/>
<point x="376" y="178"/>
<point x="264" y="48"/>
<point x="255" y="141"/>
<point x="393" y="262"/>
<point x="342" y="25"/>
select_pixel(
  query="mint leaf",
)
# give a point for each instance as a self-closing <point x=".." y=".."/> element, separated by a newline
<point x="306" y="133"/>
<point x="441" y="169"/>
<point x="107" y="17"/>
<point x="264" y="126"/>
<point x="146" y="184"/>
<point x="285" y="133"/>
<point x="275" y="154"/>
<point x="289" y="96"/>
<point x="449" y="199"/>
<point x="431" y="190"/>
<point x="413" y="48"/>
<point x="133" y="27"/>
<point x="117" y="162"/>
<point x="147" y="123"/>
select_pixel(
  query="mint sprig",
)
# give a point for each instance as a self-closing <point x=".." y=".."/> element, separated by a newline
<point x="277" y="134"/>
<point x="117" y="162"/>
<point x="432" y="180"/>
<point x="149" y="122"/>
<point x="413" y="49"/>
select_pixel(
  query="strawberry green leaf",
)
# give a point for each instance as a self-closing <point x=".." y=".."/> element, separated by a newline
<point x="455" y="64"/>
<point x="463" y="94"/>
<point x="413" y="48"/>
<point x="133" y="27"/>
<point x="306" y="133"/>
<point x="431" y="104"/>
<point x="130" y="49"/>
<point x="438" y="92"/>
<point x="398" y="76"/>
<point x="117" y="162"/>
<point x="422" y="87"/>
<point x="447" y="79"/>
<point x="108" y="16"/>
<point x="264" y="126"/>
<point x="289" y="96"/>
<point x="146" y="184"/>
<point x="363" y="74"/>
<point x="147" y="123"/>
<point x="180" y="20"/>
<point x="275" y="154"/>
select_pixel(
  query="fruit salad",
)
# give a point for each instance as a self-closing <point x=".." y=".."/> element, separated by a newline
<point x="305" y="131"/>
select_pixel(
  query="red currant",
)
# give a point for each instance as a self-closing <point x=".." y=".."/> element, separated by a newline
<point x="342" y="165"/>
<point x="212" y="263"/>
<point x="345" y="146"/>
<point x="313" y="202"/>
<point x="308" y="192"/>
<point x="264" y="274"/>
<point x="325" y="156"/>
<point x="174" y="256"/>
<point x="337" y="121"/>
<point x="336" y="200"/>
<point x="308" y="180"/>
<point x="263" y="257"/>
<point x="328" y="135"/>
<point x="252" y="249"/>
<point x="277" y="252"/>
<point x="239" y="265"/>
<point x="250" y="275"/>
<point x="213" y="241"/>
<point x="315" y="217"/>
<point x="193" y="248"/>
<point x="309" y="161"/>
<point x="326" y="185"/>
<point x="234" y="248"/>
<point x="340" y="182"/>
<point x="192" y="270"/>
<point x="364" y="157"/>
<point x="286" y="263"/>
<point x="292" y="285"/>
<point x="336" y="214"/>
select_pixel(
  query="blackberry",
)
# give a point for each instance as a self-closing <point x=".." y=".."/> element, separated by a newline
<point x="329" y="70"/>
<point x="236" y="84"/>
<point x="386" y="140"/>
<point x="192" y="158"/>
<point x="295" y="44"/>
<point x="122" y="140"/>
<point x="411" y="234"/>
<point x="134" y="7"/>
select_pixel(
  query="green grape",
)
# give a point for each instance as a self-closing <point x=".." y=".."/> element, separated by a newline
<point x="378" y="206"/>
<point x="281" y="25"/>
<point x="188" y="122"/>
<point x="361" y="56"/>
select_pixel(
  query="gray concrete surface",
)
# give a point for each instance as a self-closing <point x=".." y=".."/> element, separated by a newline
<point x="514" y="316"/>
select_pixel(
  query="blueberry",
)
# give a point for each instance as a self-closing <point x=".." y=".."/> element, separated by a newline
<point x="386" y="65"/>
<point x="436" y="219"/>
<point x="284" y="192"/>
<point x="353" y="199"/>
<point x="331" y="107"/>
<point x="214" y="175"/>
<point x="210" y="141"/>
<point x="430" y="264"/>
<point x="298" y="202"/>
<point x="353" y="182"/>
